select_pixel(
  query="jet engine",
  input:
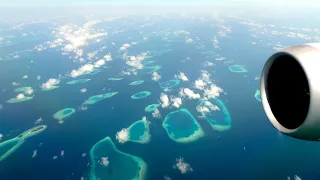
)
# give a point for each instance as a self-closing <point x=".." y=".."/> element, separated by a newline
<point x="290" y="91"/>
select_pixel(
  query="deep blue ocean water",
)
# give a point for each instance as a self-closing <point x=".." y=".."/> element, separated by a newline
<point x="252" y="149"/>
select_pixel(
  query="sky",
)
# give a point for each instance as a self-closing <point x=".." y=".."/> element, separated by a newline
<point x="309" y="3"/>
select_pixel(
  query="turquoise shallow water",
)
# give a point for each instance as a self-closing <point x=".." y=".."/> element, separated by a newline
<point x="137" y="131"/>
<point x="180" y="124"/>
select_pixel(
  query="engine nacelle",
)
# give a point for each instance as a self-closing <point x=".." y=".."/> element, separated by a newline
<point x="290" y="91"/>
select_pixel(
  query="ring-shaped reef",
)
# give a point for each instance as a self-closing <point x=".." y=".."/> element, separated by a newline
<point x="151" y="107"/>
<point x="97" y="98"/>
<point x="219" y="120"/>
<point x="77" y="81"/>
<point x="257" y="95"/>
<point x="115" y="79"/>
<point x="149" y="70"/>
<point x="94" y="71"/>
<point x="141" y="95"/>
<point x="17" y="100"/>
<point x="32" y="132"/>
<point x="9" y="146"/>
<point x="147" y="62"/>
<point x="237" y="69"/>
<point x="134" y="83"/>
<point x="22" y="89"/>
<point x="63" y="113"/>
<point x="228" y="62"/>
<point x="182" y="127"/>
<point x="49" y="88"/>
<point x="121" y="166"/>
<point x="139" y="132"/>
<point x="170" y="84"/>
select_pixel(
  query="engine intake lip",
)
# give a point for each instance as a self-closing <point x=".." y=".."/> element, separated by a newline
<point x="285" y="92"/>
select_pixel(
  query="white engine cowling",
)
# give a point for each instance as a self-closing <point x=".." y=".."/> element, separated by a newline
<point x="290" y="91"/>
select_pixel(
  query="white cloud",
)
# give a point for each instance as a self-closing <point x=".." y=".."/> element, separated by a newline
<point x="29" y="91"/>
<point x="176" y="101"/>
<point x="212" y="92"/>
<point x="68" y="48"/>
<point x="220" y="58"/>
<point x="205" y="75"/>
<point x="215" y="42"/>
<point x="209" y="64"/>
<point x="83" y="69"/>
<point x="104" y="161"/>
<point x="132" y="58"/>
<point x="207" y="107"/>
<point x="144" y="118"/>
<point x="156" y="113"/>
<point x="124" y="47"/>
<point x="182" y="76"/>
<point x="182" y="166"/>
<point x="164" y="100"/>
<point x="20" y="96"/>
<point x="200" y="84"/>
<point x="108" y="57"/>
<point x="189" y="93"/>
<point x="156" y="76"/>
<point x="123" y="135"/>
<point x="136" y="64"/>
<point x="189" y="40"/>
<point x="99" y="63"/>
<point x="83" y="90"/>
